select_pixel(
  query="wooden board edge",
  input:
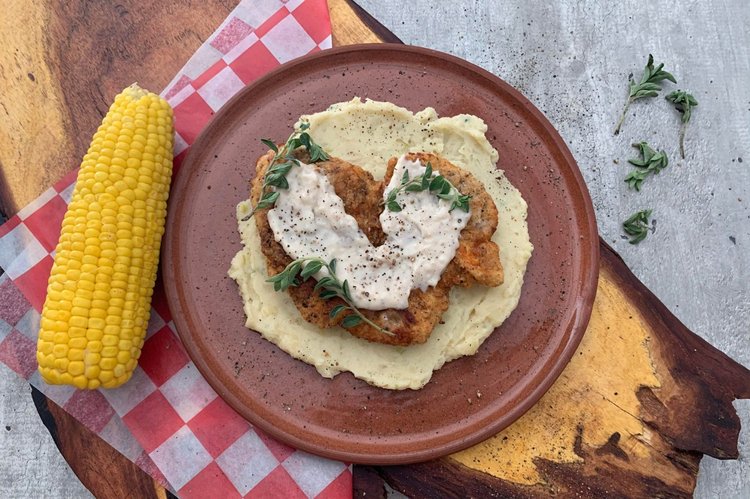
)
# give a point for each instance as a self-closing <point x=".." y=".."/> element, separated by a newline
<point x="728" y="372"/>
<point x="386" y="35"/>
<point x="351" y="24"/>
<point x="705" y="372"/>
<point x="98" y="465"/>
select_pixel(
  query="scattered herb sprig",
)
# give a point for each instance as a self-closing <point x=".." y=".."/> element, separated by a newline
<point x="438" y="184"/>
<point x="282" y="162"/>
<point x="683" y="102"/>
<point x="637" y="226"/>
<point x="650" y="163"/>
<point x="649" y="86"/>
<point x="329" y="286"/>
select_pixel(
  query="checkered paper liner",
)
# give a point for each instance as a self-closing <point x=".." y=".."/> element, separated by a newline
<point x="167" y="419"/>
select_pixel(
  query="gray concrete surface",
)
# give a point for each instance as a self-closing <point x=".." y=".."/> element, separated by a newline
<point x="572" y="59"/>
<point x="31" y="464"/>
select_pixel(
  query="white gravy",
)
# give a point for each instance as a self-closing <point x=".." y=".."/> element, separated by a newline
<point x="309" y="220"/>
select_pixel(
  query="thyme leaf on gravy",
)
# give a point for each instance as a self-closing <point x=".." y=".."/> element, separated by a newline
<point x="438" y="185"/>
<point x="329" y="287"/>
<point x="282" y="162"/>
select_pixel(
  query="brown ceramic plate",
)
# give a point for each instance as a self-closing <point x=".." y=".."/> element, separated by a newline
<point x="345" y="418"/>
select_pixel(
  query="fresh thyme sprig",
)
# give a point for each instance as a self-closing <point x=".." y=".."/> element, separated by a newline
<point x="649" y="86"/>
<point x="650" y="163"/>
<point x="330" y="287"/>
<point x="684" y="103"/>
<point x="637" y="226"/>
<point x="282" y="162"/>
<point x="438" y="184"/>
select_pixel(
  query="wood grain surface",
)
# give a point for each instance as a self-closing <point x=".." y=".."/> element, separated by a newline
<point x="103" y="470"/>
<point x="62" y="64"/>
<point x="641" y="402"/>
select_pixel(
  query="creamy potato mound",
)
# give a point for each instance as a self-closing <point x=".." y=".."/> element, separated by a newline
<point x="368" y="134"/>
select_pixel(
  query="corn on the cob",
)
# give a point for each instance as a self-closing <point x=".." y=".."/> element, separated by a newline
<point x="99" y="292"/>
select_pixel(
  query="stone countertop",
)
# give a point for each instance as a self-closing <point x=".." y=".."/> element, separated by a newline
<point x="572" y="59"/>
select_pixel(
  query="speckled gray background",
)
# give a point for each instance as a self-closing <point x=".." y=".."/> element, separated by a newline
<point x="572" y="59"/>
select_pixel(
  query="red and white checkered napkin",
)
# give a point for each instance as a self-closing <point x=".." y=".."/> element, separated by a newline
<point x="167" y="419"/>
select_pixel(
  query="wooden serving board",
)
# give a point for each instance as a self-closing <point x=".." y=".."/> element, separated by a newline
<point x="632" y="414"/>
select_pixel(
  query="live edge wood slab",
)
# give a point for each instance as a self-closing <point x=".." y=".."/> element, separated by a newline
<point x="633" y="413"/>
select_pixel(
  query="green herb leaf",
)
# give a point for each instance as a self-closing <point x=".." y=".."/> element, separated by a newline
<point x="651" y="162"/>
<point x="635" y="179"/>
<point x="648" y="86"/>
<point x="683" y="103"/>
<point x="268" y="200"/>
<point x="439" y="185"/>
<point x="651" y="78"/>
<point x="637" y="226"/>
<point x="345" y="289"/>
<point x="311" y="269"/>
<point x="317" y="154"/>
<point x="277" y="180"/>
<point x="270" y="144"/>
<point x="330" y="287"/>
<point x="283" y="161"/>
<point x="326" y="281"/>
<point x="282" y="168"/>
<point x="336" y="311"/>
<point x="351" y="321"/>
<point x="462" y="203"/>
<point x="393" y="206"/>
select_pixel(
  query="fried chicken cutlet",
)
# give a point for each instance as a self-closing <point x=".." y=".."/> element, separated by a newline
<point x="477" y="259"/>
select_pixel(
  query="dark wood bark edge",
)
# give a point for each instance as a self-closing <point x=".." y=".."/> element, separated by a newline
<point x="97" y="464"/>
<point x="695" y="416"/>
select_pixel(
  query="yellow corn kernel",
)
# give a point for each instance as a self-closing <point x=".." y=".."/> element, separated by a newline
<point x="94" y="319"/>
<point x="92" y="372"/>
<point x="79" y="343"/>
<point x="107" y="364"/>
<point x="123" y="357"/>
<point x="76" y="368"/>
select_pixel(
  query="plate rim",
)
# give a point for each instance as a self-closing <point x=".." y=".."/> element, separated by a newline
<point x="581" y="313"/>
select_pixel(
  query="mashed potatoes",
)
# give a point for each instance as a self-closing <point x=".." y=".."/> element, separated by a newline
<point x="368" y="134"/>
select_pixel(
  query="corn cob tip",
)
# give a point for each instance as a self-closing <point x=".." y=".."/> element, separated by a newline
<point x="135" y="91"/>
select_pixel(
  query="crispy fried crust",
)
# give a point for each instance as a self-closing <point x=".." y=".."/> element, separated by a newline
<point x="477" y="259"/>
